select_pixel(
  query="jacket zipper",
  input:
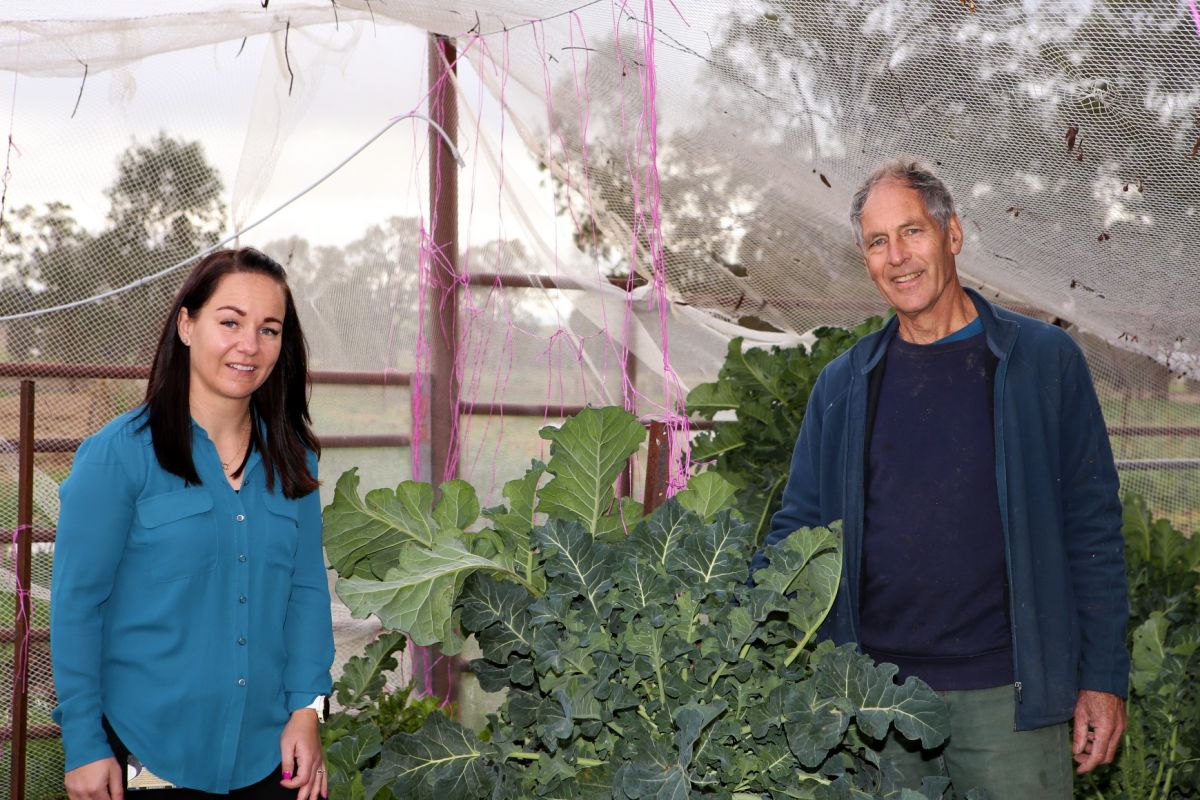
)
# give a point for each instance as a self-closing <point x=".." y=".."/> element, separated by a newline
<point x="855" y="524"/>
<point x="1002" y="489"/>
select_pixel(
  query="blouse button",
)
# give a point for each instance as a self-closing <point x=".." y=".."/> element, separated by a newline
<point x="240" y="517"/>
<point x="241" y="681"/>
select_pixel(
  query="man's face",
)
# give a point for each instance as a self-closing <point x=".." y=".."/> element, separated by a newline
<point x="910" y="259"/>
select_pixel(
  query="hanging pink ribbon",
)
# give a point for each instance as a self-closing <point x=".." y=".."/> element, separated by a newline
<point x="1195" y="15"/>
<point x="24" y="600"/>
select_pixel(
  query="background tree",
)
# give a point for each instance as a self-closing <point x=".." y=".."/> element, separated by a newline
<point x="164" y="206"/>
<point x="729" y="244"/>
<point x="1067" y="130"/>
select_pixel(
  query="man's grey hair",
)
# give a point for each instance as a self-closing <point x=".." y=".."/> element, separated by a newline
<point x="914" y="174"/>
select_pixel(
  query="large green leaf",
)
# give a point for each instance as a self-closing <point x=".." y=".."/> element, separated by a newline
<point x="641" y="584"/>
<point x="806" y="566"/>
<point x="655" y="538"/>
<point x="615" y="527"/>
<point x="706" y="494"/>
<point x="495" y="610"/>
<point x="655" y="782"/>
<point x="776" y="765"/>
<point x="586" y="455"/>
<point x="444" y="761"/>
<point x="709" y="398"/>
<point x="643" y="639"/>
<point x="788" y="557"/>
<point x="690" y="720"/>
<point x="418" y="595"/>
<point x="815" y="721"/>
<point x="458" y="506"/>
<point x="713" y="556"/>
<point x="594" y="783"/>
<point x="514" y="522"/>
<point x="730" y="635"/>
<point x="1149" y="650"/>
<point x="554" y="720"/>
<point x="347" y="790"/>
<point x="363" y="676"/>
<point x="577" y="560"/>
<point x="654" y="774"/>
<point x="879" y="702"/>
<point x="517" y="518"/>
<point x="726" y="440"/>
<point x="357" y="528"/>
<point x="345" y="757"/>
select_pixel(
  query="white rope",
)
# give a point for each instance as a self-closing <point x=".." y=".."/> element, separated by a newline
<point x="168" y="270"/>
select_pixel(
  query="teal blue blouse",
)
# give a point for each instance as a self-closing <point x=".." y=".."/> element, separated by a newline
<point x="195" y="618"/>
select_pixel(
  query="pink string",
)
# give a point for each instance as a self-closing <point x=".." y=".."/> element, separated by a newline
<point x="24" y="599"/>
<point x="1195" y="14"/>
<point x="677" y="424"/>
<point x="475" y="353"/>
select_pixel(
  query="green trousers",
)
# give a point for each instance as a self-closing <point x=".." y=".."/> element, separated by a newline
<point x="984" y="752"/>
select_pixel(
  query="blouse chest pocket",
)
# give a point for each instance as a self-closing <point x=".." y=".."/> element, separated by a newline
<point x="178" y="532"/>
<point x="282" y="531"/>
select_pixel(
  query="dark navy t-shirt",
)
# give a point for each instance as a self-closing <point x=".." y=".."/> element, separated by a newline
<point x="934" y="590"/>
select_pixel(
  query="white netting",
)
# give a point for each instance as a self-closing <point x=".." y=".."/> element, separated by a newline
<point x="1068" y="131"/>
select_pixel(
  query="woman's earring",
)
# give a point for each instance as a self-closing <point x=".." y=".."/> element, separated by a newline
<point x="186" y="342"/>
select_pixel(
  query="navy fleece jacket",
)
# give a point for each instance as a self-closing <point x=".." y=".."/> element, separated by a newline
<point x="1058" y="492"/>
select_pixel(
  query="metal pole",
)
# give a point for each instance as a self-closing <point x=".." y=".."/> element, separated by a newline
<point x="658" y="456"/>
<point x="625" y="479"/>
<point x="443" y="295"/>
<point x="24" y="542"/>
<point x="443" y="298"/>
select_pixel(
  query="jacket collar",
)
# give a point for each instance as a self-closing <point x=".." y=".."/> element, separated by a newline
<point x="998" y="325"/>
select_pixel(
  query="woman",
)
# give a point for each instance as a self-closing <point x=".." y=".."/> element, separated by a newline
<point x="190" y="623"/>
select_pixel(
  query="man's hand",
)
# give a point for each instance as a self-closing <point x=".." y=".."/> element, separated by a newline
<point x="303" y="761"/>
<point x="1099" y="724"/>
<point x="97" y="780"/>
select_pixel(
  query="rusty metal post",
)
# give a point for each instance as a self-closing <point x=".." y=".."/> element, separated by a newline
<point x="625" y="479"/>
<point x="658" y="466"/>
<point x="443" y="295"/>
<point x="24" y="558"/>
<point x="443" y="405"/>
<point x="418" y="403"/>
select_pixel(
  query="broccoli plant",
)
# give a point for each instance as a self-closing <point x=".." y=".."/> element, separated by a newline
<point x="768" y="390"/>
<point x="636" y="665"/>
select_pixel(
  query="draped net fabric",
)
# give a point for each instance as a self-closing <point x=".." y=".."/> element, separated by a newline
<point x="710" y="148"/>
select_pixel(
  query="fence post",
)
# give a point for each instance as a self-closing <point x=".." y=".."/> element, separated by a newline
<point x="444" y="415"/>
<point x="658" y="456"/>
<point x="23" y="539"/>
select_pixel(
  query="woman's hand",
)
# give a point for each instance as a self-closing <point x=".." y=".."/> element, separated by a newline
<point x="303" y="761"/>
<point x="97" y="780"/>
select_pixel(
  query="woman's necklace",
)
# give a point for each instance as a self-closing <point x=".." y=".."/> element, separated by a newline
<point x="233" y="463"/>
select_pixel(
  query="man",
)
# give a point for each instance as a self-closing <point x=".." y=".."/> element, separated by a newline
<point x="964" y="448"/>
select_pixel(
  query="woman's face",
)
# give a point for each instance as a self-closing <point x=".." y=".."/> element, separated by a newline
<point x="234" y="338"/>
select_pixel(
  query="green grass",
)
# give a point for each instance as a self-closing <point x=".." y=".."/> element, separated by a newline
<point x="44" y="760"/>
<point x="44" y="765"/>
<point x="1174" y="494"/>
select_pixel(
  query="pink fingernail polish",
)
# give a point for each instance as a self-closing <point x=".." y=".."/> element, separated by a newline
<point x="287" y="776"/>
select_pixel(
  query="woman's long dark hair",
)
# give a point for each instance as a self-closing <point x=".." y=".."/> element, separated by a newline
<point x="279" y="406"/>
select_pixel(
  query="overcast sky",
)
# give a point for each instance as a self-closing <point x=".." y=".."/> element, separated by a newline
<point x="348" y="84"/>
